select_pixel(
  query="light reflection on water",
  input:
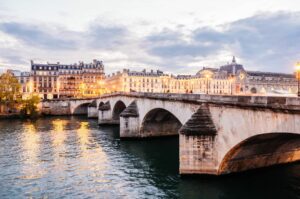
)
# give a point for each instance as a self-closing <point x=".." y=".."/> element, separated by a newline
<point x="74" y="158"/>
<point x="31" y="144"/>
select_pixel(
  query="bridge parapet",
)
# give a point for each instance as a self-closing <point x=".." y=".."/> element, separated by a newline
<point x="271" y="102"/>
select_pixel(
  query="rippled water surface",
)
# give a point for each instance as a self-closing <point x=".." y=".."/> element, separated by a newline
<point x="71" y="157"/>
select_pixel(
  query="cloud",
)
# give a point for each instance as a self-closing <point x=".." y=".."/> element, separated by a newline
<point x="15" y="59"/>
<point x="38" y="36"/>
<point x="183" y="50"/>
<point x="166" y="35"/>
<point x="106" y="37"/>
<point x="211" y="35"/>
<point x="58" y="38"/>
<point x="268" y="42"/>
<point x="176" y="45"/>
<point x="26" y="41"/>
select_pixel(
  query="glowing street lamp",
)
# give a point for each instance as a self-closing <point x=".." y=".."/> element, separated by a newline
<point x="82" y="88"/>
<point x="101" y="89"/>
<point x="298" y="76"/>
<point x="207" y="76"/>
<point x="231" y="79"/>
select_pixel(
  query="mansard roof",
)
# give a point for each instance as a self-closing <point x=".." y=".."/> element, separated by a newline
<point x="213" y="70"/>
<point x="144" y="73"/>
<point x="184" y="76"/>
<point x="58" y="65"/>
<point x="269" y="74"/>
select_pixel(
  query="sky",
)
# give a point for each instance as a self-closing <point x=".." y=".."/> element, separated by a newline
<point x="176" y="36"/>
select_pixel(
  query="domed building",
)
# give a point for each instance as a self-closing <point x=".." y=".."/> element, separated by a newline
<point x="229" y="79"/>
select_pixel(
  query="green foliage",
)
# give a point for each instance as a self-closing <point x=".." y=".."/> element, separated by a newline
<point x="10" y="92"/>
<point x="29" y="106"/>
<point x="11" y="96"/>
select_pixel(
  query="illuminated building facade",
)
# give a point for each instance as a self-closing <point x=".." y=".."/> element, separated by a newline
<point x="205" y="81"/>
<point x="230" y="79"/>
<point x="64" y="81"/>
<point x="261" y="83"/>
<point x="132" y="81"/>
<point x="88" y="80"/>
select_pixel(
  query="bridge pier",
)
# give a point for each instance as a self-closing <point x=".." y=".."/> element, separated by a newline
<point x="197" y="155"/>
<point x="197" y="144"/>
<point x="129" y="122"/>
<point x="92" y="110"/>
<point x="105" y="115"/>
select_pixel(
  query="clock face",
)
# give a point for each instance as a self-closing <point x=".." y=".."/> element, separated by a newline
<point x="242" y="76"/>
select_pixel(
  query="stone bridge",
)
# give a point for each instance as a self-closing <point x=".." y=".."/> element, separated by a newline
<point x="217" y="134"/>
<point x="69" y="107"/>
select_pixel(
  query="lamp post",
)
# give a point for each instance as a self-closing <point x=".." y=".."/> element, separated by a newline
<point x="58" y="88"/>
<point x="100" y="83"/>
<point x="231" y="82"/>
<point x="207" y="87"/>
<point x="298" y="76"/>
<point x="82" y="89"/>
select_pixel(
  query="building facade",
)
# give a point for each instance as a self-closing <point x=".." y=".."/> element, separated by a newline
<point x="261" y="83"/>
<point x="88" y="80"/>
<point x="65" y="81"/>
<point x="205" y="81"/>
<point x="256" y="82"/>
<point x="230" y="79"/>
<point x="133" y="81"/>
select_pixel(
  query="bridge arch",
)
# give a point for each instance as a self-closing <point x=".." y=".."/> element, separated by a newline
<point x="253" y="90"/>
<point x="160" y="122"/>
<point x="81" y="109"/>
<point x="118" y="109"/>
<point x="260" y="151"/>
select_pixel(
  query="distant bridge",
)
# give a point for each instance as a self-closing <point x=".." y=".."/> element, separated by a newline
<point x="67" y="106"/>
<point x="218" y="134"/>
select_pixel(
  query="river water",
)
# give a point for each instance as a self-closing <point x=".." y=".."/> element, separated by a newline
<point x="71" y="157"/>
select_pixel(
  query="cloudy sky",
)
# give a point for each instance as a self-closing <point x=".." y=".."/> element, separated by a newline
<point x="177" y="36"/>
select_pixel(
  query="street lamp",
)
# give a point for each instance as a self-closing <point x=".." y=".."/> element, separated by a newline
<point x="207" y="76"/>
<point x="82" y="88"/>
<point x="100" y="83"/>
<point x="298" y="76"/>
<point x="231" y="79"/>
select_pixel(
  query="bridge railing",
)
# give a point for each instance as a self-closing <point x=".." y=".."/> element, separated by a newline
<point x="69" y="99"/>
<point x="292" y="103"/>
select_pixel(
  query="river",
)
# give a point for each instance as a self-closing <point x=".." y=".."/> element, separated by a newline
<point x="72" y="157"/>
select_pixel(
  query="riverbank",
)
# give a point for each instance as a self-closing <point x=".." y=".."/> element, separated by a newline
<point x="19" y="116"/>
<point x="10" y="116"/>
